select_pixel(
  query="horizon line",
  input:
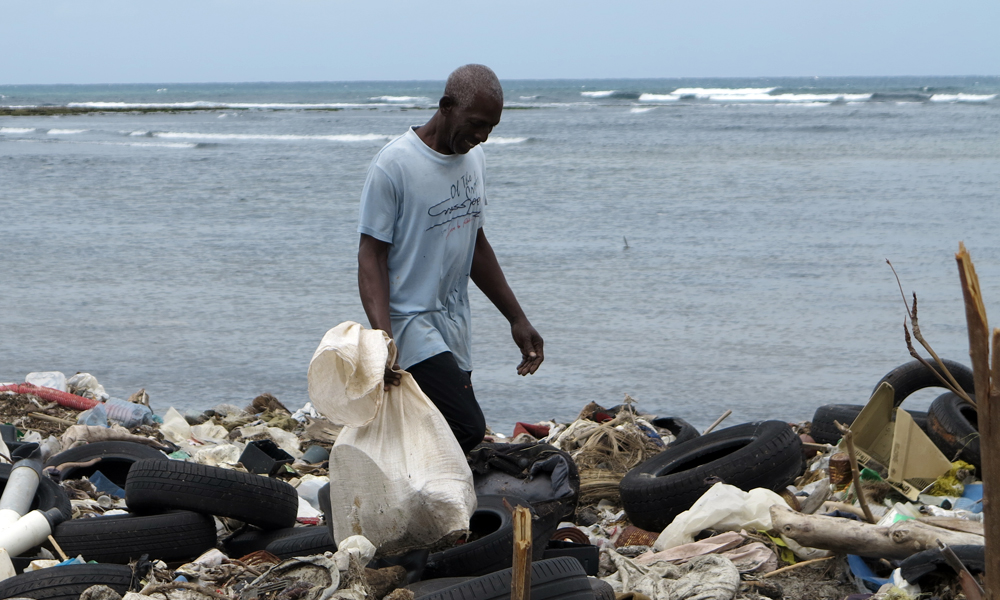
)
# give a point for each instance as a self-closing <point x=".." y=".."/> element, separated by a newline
<point x="441" y="81"/>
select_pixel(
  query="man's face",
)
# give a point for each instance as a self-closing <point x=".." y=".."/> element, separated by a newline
<point x="471" y="125"/>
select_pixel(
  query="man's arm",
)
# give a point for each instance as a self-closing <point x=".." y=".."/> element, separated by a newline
<point x="373" y="284"/>
<point x="489" y="278"/>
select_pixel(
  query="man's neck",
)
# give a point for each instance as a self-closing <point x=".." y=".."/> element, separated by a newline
<point x="428" y="134"/>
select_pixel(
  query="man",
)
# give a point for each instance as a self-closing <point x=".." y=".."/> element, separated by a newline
<point x="421" y="226"/>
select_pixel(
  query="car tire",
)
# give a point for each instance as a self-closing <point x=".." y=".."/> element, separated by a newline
<point x="764" y="454"/>
<point x="172" y="536"/>
<point x="494" y="549"/>
<point x="160" y="485"/>
<point x="67" y="582"/>
<point x="115" y="459"/>
<point x="953" y="426"/>
<point x="824" y="429"/>
<point x="554" y="579"/>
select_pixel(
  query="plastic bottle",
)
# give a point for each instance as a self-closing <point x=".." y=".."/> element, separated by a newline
<point x="128" y="414"/>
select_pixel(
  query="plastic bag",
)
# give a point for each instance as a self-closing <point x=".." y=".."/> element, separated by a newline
<point x="723" y="508"/>
<point x="397" y="474"/>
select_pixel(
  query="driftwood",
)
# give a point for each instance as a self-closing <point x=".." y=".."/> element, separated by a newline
<point x="955" y="524"/>
<point x="520" y="585"/>
<point x="897" y="541"/>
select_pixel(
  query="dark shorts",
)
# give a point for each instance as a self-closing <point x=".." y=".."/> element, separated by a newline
<point x="450" y="389"/>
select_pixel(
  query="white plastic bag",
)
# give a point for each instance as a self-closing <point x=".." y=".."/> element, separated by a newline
<point x="397" y="474"/>
<point x="723" y="508"/>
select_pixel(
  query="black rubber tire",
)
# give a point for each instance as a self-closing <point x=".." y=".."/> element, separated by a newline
<point x="681" y="429"/>
<point x="824" y="430"/>
<point x="432" y="586"/>
<point x="66" y="583"/>
<point x="953" y="426"/>
<point x="554" y="579"/>
<point x="914" y="376"/>
<point x="921" y="564"/>
<point x="304" y="541"/>
<point x="252" y="539"/>
<point x="905" y="380"/>
<point x="49" y="494"/>
<point x="116" y="459"/>
<point x="764" y="454"/>
<point x="172" y="536"/>
<point x="602" y="589"/>
<point x="159" y="485"/>
<point x="495" y="549"/>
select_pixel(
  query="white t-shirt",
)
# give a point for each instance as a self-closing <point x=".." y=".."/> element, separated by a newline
<point x="429" y="208"/>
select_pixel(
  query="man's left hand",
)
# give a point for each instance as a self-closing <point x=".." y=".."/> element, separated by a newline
<point x="530" y="343"/>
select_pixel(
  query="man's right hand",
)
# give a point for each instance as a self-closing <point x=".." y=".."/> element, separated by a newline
<point x="392" y="377"/>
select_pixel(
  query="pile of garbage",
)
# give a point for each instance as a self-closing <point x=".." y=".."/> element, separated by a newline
<point x="107" y="498"/>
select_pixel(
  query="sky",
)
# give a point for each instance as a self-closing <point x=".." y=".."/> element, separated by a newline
<point x="80" y="41"/>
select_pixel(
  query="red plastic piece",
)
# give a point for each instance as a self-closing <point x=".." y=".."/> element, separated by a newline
<point x="536" y="431"/>
<point x="63" y="398"/>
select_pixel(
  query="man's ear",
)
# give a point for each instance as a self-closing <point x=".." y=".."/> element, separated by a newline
<point x="446" y="104"/>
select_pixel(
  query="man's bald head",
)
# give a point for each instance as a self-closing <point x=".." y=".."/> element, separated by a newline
<point x="467" y="81"/>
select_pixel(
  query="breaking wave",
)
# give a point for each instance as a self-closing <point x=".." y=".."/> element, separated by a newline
<point x="963" y="97"/>
<point x="65" y="131"/>
<point x="401" y="99"/>
<point x="17" y="129"/>
<point x="506" y="140"/>
<point x="344" y="137"/>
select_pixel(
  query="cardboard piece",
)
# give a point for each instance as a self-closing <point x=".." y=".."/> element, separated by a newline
<point x="911" y="458"/>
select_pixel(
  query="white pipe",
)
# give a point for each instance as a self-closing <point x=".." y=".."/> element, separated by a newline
<point x="30" y="530"/>
<point x="20" y="489"/>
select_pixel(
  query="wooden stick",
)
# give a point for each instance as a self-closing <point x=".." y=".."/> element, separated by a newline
<point x="951" y="383"/>
<point x="51" y="419"/>
<point x="717" y="421"/>
<point x="975" y="317"/>
<point x="520" y="587"/>
<point x="795" y="566"/>
<point x="989" y="441"/>
<point x="55" y="545"/>
<point x="855" y="473"/>
<point x="989" y="427"/>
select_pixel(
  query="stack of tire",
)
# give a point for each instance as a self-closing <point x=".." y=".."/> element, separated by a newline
<point x="480" y="568"/>
<point x="764" y="454"/>
<point x="950" y="422"/>
<point x="171" y="504"/>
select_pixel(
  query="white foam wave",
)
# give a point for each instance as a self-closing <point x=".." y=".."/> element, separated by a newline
<point x="213" y="105"/>
<point x="749" y="95"/>
<point x="399" y="99"/>
<point x="638" y="110"/>
<point x="599" y="94"/>
<point x="140" y="133"/>
<point x="506" y="140"/>
<point x="708" y="92"/>
<point x="17" y="129"/>
<point x="151" y="144"/>
<point x="344" y="137"/>
<point x="65" y="131"/>
<point x="963" y="97"/>
<point x="528" y="97"/>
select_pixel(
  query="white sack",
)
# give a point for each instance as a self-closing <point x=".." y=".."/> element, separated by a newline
<point x="397" y="474"/>
<point x="722" y="508"/>
<point x="347" y="371"/>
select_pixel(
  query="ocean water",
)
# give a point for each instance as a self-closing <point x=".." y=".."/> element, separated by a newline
<point x="699" y="245"/>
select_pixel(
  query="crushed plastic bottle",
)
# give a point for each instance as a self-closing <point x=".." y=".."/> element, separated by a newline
<point x="128" y="414"/>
